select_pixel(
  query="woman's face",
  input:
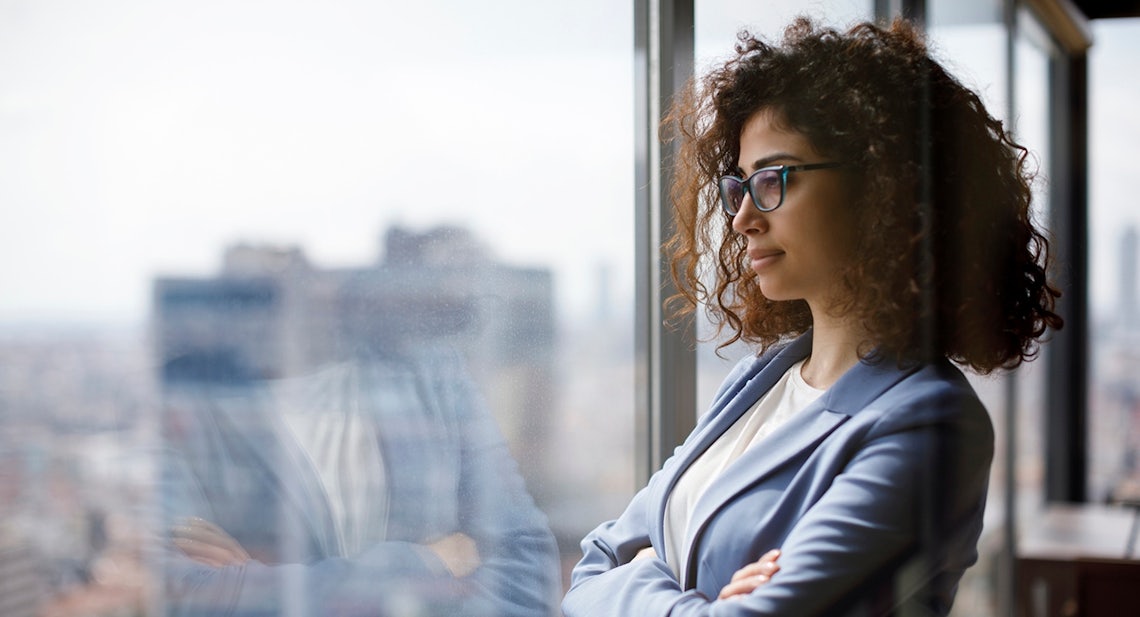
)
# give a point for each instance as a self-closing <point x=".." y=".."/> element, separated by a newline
<point x="798" y="249"/>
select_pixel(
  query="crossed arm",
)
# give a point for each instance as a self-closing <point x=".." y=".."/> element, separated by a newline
<point x="208" y="544"/>
<point x="861" y="530"/>
<point x="745" y="580"/>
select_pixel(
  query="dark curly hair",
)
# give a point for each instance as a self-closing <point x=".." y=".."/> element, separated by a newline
<point x="950" y="263"/>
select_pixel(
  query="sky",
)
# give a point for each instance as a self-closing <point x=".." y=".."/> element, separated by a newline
<point x="140" y="138"/>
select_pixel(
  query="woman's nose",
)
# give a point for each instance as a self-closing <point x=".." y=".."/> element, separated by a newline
<point x="749" y="218"/>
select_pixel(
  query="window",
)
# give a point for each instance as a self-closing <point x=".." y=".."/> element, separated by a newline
<point x="206" y="197"/>
<point x="1114" y="397"/>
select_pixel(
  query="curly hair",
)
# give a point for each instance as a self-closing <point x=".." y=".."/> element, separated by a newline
<point x="949" y="261"/>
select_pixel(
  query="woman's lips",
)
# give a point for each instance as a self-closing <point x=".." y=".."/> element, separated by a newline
<point x="763" y="258"/>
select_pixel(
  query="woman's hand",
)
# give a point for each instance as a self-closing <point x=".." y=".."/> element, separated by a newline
<point x="646" y="553"/>
<point x="458" y="552"/>
<point x="207" y="543"/>
<point x="752" y="576"/>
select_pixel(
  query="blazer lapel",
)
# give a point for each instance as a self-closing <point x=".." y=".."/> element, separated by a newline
<point x="256" y="421"/>
<point x="727" y="410"/>
<point x="803" y="432"/>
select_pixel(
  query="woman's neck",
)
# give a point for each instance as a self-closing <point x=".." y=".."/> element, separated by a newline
<point x="834" y="349"/>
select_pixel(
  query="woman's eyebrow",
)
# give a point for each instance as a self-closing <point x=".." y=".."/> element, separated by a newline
<point x="766" y="161"/>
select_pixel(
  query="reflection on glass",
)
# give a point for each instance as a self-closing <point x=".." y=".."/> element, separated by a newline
<point x="143" y="139"/>
<point x="971" y="37"/>
<point x="325" y="448"/>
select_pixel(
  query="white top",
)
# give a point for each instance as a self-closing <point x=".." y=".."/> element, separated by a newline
<point x="789" y="395"/>
<point x="323" y="414"/>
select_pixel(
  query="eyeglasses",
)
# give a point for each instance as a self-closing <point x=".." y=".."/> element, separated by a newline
<point x="766" y="185"/>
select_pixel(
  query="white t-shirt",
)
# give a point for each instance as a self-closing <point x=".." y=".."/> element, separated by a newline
<point x="338" y="438"/>
<point x="788" y="396"/>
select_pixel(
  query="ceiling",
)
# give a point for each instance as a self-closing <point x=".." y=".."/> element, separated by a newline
<point x="1102" y="9"/>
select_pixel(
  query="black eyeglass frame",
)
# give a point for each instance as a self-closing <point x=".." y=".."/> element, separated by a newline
<point x="746" y="184"/>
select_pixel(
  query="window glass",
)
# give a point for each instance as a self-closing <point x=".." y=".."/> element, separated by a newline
<point x="1033" y="52"/>
<point x="1114" y="221"/>
<point x="970" y="40"/>
<point x="338" y="280"/>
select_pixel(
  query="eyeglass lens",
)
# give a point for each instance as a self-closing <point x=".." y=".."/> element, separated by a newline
<point x="763" y="186"/>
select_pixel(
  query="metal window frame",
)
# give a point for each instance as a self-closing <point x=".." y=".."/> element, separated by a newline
<point x="666" y="364"/>
<point x="1067" y="365"/>
<point x="1066" y="425"/>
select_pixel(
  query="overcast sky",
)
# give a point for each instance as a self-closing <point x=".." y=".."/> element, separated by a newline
<point x="139" y="138"/>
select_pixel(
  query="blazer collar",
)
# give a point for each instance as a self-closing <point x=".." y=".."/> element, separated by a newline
<point x="860" y="385"/>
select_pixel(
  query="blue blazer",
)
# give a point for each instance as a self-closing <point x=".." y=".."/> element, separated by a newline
<point x="874" y="494"/>
<point x="230" y="460"/>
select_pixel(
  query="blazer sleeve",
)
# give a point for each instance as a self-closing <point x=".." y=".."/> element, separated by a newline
<point x="520" y="574"/>
<point x="908" y="496"/>
<point x="605" y="581"/>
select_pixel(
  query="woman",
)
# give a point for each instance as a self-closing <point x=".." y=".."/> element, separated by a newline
<point x="877" y="233"/>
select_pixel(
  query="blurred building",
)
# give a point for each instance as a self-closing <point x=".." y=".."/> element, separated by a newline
<point x="1129" y="310"/>
<point x="22" y="585"/>
<point x="1115" y="421"/>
